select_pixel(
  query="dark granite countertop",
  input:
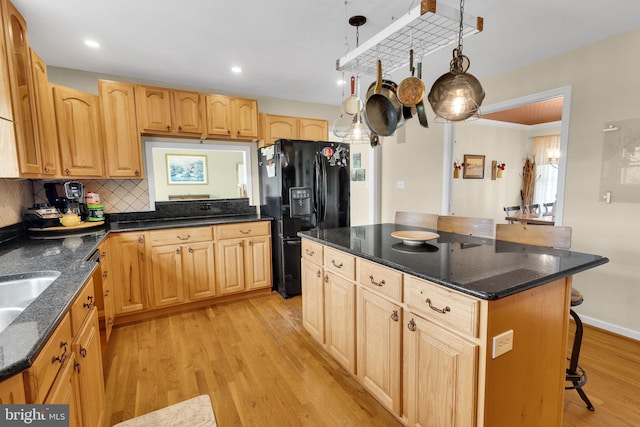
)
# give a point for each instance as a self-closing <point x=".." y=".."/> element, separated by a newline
<point x="485" y="268"/>
<point x="23" y="338"/>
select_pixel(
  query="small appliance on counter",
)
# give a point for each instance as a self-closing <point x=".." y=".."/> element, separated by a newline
<point x="42" y="215"/>
<point x="72" y="199"/>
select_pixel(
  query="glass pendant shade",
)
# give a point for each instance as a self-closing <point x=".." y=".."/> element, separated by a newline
<point x="456" y="96"/>
<point x="358" y="132"/>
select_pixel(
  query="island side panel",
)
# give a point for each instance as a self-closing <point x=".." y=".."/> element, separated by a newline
<point x="525" y="386"/>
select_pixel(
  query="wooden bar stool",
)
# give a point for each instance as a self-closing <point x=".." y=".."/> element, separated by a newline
<point x="554" y="237"/>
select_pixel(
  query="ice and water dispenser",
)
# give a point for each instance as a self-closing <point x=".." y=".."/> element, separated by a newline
<point x="300" y="202"/>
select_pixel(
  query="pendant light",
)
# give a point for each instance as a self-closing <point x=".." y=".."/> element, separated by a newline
<point x="456" y="95"/>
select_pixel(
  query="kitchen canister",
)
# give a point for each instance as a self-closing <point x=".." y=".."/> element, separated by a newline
<point x="92" y="198"/>
<point x="96" y="213"/>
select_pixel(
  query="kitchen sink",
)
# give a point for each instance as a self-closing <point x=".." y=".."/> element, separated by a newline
<point x="17" y="291"/>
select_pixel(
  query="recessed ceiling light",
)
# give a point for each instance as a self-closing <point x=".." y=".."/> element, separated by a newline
<point x="236" y="69"/>
<point x="92" y="43"/>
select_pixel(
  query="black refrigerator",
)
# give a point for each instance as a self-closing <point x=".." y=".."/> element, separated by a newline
<point x="304" y="185"/>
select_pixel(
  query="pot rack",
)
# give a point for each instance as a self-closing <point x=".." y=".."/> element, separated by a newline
<point x="426" y="29"/>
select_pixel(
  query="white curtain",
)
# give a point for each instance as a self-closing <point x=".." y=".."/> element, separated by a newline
<point x="546" y="152"/>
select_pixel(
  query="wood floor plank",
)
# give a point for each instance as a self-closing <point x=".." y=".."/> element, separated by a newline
<point x="261" y="368"/>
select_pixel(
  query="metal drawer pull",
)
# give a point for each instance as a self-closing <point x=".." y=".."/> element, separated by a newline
<point x="245" y="232"/>
<point x="63" y="356"/>
<point x="310" y="253"/>
<point x="411" y="325"/>
<point x="394" y="316"/>
<point x="333" y="261"/>
<point x="376" y="283"/>
<point x="444" y="310"/>
<point x="89" y="304"/>
<point x="184" y="238"/>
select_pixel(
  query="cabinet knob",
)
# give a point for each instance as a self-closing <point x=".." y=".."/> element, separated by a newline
<point x="137" y="172"/>
<point x="76" y="366"/>
<point x="190" y="250"/>
<point x="240" y="244"/>
<point x="67" y="171"/>
<point x="105" y="274"/>
<point x="103" y="254"/>
<point x="140" y="239"/>
<point x="106" y="292"/>
<point x="326" y="278"/>
<point x="238" y="133"/>
<point x="168" y="127"/>
<point x="250" y="242"/>
<point x="46" y="169"/>
<point x="394" y="316"/>
<point x="228" y="131"/>
<point x="318" y="273"/>
<point x="179" y="128"/>
<point x="411" y="325"/>
<point x="83" y="351"/>
<point x="178" y="251"/>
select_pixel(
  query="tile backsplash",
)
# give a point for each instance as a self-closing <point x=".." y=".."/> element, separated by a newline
<point x="15" y="196"/>
<point x="117" y="195"/>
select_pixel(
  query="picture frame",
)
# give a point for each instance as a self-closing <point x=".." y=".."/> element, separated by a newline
<point x="473" y="166"/>
<point x="186" y="169"/>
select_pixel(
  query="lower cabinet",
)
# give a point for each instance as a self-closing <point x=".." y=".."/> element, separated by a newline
<point x="442" y="376"/>
<point x="313" y="299"/>
<point x="340" y="320"/>
<point x="128" y="271"/>
<point x="379" y="344"/>
<point x="12" y="391"/>
<point x="65" y="391"/>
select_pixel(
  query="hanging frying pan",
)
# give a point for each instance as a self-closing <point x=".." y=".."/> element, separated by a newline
<point x="411" y="89"/>
<point x="420" y="109"/>
<point x="352" y="105"/>
<point x="380" y="113"/>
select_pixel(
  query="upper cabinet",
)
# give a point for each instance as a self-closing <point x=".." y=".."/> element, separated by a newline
<point x="45" y="118"/>
<point x="123" y="149"/>
<point x="21" y="88"/>
<point x="235" y="118"/>
<point x="166" y="111"/>
<point x="78" y="121"/>
<point x="276" y="127"/>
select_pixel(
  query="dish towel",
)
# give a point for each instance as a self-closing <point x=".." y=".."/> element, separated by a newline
<point x="196" y="412"/>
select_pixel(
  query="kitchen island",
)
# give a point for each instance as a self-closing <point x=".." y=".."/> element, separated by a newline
<point x="459" y="330"/>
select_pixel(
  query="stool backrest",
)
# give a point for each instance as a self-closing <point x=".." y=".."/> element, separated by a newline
<point x="418" y="219"/>
<point x="482" y="227"/>
<point x="537" y="235"/>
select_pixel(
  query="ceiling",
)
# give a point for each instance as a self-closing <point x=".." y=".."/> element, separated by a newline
<point x="531" y="114"/>
<point x="288" y="48"/>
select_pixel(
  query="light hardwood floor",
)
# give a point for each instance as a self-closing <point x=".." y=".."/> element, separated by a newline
<point x="260" y="367"/>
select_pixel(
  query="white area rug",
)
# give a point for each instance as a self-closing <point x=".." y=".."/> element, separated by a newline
<point x="196" y="412"/>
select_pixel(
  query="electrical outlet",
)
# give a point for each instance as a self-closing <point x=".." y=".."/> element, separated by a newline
<point x="502" y="343"/>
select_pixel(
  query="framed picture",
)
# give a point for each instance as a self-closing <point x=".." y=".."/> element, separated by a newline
<point x="473" y="166"/>
<point x="186" y="169"/>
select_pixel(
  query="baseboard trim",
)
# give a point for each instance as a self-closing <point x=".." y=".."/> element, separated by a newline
<point x="611" y="327"/>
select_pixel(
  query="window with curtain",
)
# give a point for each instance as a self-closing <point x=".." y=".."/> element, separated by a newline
<point x="546" y="152"/>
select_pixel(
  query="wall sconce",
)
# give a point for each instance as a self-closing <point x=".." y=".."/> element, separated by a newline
<point x="553" y="157"/>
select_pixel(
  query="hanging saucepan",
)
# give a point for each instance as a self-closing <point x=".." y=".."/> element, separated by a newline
<point x="352" y="105"/>
<point x="380" y="113"/>
<point x="420" y="109"/>
<point x="411" y="89"/>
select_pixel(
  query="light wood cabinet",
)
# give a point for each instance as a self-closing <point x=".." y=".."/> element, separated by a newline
<point x="313" y="299"/>
<point x="12" y="391"/>
<point x="166" y="286"/>
<point x="340" y="319"/>
<point x="21" y="87"/>
<point x="47" y="133"/>
<point x="198" y="271"/>
<point x="65" y="391"/>
<point x="104" y="292"/>
<point x="123" y="147"/>
<point x="442" y="376"/>
<point x="167" y="111"/>
<point x="379" y="348"/>
<point x="128" y="271"/>
<point x="276" y="127"/>
<point x="243" y="263"/>
<point x="235" y="118"/>
<point x="79" y="132"/>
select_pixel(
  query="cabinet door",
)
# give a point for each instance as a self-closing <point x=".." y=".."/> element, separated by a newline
<point x="340" y="320"/>
<point x="188" y="112"/>
<point x="127" y="271"/>
<point x="442" y="376"/>
<point x="313" y="129"/>
<point x="107" y="289"/>
<point x="198" y="270"/>
<point x="166" y="275"/>
<point x="12" y="391"/>
<point x="6" y="108"/>
<point x="65" y="391"/>
<point x="218" y="115"/>
<point x="257" y="262"/>
<point x="279" y="127"/>
<point x="21" y="81"/>
<point x="153" y="109"/>
<point x="245" y="118"/>
<point x="313" y="300"/>
<point x="86" y="347"/>
<point x="46" y="119"/>
<point x="79" y="133"/>
<point x="380" y="348"/>
<point x="230" y="266"/>
<point x="123" y="148"/>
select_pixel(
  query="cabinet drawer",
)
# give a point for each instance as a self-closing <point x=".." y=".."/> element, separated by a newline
<point x="44" y="369"/>
<point x="340" y="262"/>
<point x="180" y="235"/>
<point x="243" y="229"/>
<point x="312" y="251"/>
<point x="441" y="305"/>
<point x="380" y="279"/>
<point x="82" y="305"/>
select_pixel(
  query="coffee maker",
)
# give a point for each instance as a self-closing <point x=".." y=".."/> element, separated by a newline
<point x="73" y="199"/>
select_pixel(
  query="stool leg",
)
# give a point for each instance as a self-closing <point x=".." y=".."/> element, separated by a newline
<point x="572" y="371"/>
